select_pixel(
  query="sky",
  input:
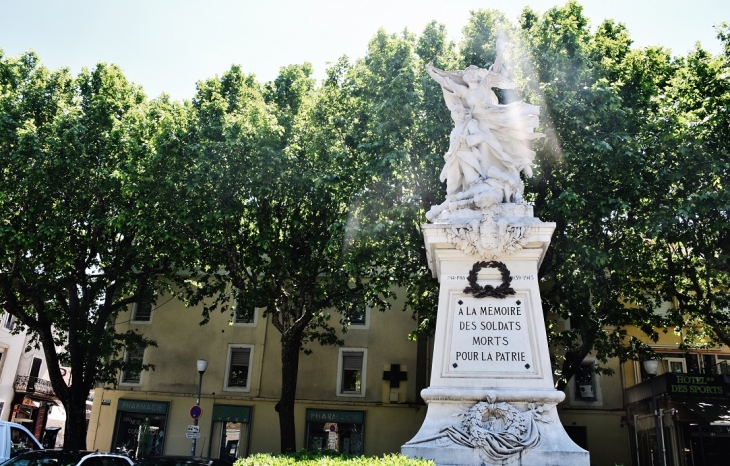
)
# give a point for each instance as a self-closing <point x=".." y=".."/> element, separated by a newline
<point x="169" y="45"/>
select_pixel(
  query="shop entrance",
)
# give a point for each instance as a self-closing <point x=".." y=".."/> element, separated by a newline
<point x="230" y="432"/>
<point x="139" y="429"/>
<point x="706" y="445"/>
<point x="335" y="430"/>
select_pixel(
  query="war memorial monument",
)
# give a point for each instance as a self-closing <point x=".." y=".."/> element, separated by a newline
<point x="491" y="398"/>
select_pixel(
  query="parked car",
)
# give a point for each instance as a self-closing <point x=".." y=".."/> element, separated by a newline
<point x="16" y="439"/>
<point x="172" y="460"/>
<point x="67" y="458"/>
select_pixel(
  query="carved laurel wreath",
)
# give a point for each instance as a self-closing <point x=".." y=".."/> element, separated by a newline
<point x="502" y="291"/>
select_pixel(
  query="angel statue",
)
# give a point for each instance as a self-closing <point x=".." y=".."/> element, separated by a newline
<point x="490" y="142"/>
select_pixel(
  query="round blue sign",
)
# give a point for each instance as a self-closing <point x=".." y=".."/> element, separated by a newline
<point x="196" y="411"/>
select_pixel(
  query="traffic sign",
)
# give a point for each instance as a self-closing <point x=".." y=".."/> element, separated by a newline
<point x="196" y="411"/>
<point x="192" y="435"/>
<point x="193" y="429"/>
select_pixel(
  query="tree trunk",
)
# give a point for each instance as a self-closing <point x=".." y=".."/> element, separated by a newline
<point x="285" y="406"/>
<point x="74" y="437"/>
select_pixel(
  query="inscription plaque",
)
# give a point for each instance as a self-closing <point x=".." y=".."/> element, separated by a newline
<point x="489" y="336"/>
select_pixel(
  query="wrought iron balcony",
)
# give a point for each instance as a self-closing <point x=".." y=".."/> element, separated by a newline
<point x="26" y="384"/>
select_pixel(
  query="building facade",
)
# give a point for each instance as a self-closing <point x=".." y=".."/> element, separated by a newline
<point x="680" y="416"/>
<point x="26" y="395"/>
<point x="360" y="398"/>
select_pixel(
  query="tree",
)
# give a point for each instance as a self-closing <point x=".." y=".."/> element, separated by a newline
<point x="272" y="192"/>
<point x="596" y="92"/>
<point x="687" y="141"/>
<point x="81" y="237"/>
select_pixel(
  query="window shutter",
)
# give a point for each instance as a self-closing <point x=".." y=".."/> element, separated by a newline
<point x="352" y="361"/>
<point x="135" y="353"/>
<point x="240" y="356"/>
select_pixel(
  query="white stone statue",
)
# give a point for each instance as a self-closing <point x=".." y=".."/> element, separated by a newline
<point x="490" y="142"/>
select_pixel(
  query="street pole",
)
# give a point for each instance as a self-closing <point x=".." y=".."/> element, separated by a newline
<point x="202" y="366"/>
<point x="657" y="420"/>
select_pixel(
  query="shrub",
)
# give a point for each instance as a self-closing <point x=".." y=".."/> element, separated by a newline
<point x="329" y="458"/>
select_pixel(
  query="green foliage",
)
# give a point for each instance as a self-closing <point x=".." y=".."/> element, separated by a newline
<point x="588" y="180"/>
<point x="80" y="229"/>
<point x="328" y="458"/>
<point x="687" y="140"/>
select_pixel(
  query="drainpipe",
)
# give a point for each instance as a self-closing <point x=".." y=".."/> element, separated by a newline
<point x="263" y="350"/>
<point x="636" y="439"/>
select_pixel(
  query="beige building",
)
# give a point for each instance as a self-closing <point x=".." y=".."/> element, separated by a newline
<point x="359" y="398"/>
<point x="614" y="417"/>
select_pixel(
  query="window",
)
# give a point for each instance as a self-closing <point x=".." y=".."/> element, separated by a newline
<point x="133" y="375"/>
<point x="360" y="319"/>
<point x="721" y="367"/>
<point x="585" y="389"/>
<point x="243" y="313"/>
<point x="8" y="321"/>
<point x="674" y="365"/>
<point x="142" y="311"/>
<point x="585" y="384"/>
<point x="351" y="372"/>
<point x="238" y="368"/>
<point x="244" y="316"/>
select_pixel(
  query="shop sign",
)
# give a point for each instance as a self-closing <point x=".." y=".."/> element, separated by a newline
<point x="232" y="413"/>
<point x="696" y="385"/>
<point x="139" y="406"/>
<point x="324" y="415"/>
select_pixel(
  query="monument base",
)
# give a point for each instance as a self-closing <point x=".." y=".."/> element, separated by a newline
<point x="468" y="426"/>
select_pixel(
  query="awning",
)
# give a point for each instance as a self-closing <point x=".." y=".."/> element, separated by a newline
<point x="717" y="413"/>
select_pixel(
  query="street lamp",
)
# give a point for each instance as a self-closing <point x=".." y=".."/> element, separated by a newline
<point x="202" y="366"/>
<point x="650" y="366"/>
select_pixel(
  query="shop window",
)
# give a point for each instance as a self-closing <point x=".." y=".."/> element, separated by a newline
<point x="351" y="372"/>
<point x="585" y="383"/>
<point x="238" y="368"/>
<point x="133" y="375"/>
<point x="139" y="428"/>
<point x="335" y="430"/>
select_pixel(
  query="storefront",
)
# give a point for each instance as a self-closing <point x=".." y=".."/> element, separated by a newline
<point x="693" y="415"/>
<point x="335" y="430"/>
<point x="139" y="428"/>
<point x="230" y="432"/>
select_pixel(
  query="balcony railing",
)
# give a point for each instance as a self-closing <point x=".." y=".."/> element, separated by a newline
<point x="24" y="383"/>
<point x="721" y="368"/>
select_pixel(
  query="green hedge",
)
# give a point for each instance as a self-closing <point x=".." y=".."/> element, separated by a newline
<point x="325" y="458"/>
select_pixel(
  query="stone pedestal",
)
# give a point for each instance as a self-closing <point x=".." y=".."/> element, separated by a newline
<point x="491" y="398"/>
